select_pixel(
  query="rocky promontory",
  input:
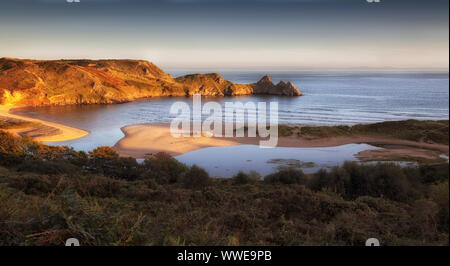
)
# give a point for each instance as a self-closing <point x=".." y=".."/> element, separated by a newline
<point x="266" y="86"/>
<point x="61" y="82"/>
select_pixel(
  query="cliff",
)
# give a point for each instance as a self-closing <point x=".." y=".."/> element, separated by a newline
<point x="60" y="82"/>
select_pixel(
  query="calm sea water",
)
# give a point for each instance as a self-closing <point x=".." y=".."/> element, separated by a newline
<point x="331" y="98"/>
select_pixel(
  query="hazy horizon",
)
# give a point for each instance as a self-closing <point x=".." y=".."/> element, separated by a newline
<point x="266" y="35"/>
<point x="202" y="69"/>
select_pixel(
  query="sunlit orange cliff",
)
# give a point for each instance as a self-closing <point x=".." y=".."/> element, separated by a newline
<point x="60" y="82"/>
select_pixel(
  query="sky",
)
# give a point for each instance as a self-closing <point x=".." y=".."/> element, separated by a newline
<point x="233" y="34"/>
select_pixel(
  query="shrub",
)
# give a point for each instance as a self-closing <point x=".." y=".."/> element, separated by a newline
<point x="97" y="186"/>
<point x="40" y="151"/>
<point x="439" y="194"/>
<point x="244" y="178"/>
<point x="433" y="174"/>
<point x="11" y="149"/>
<point x="424" y="214"/>
<point x="32" y="183"/>
<point x="125" y="168"/>
<point x="80" y="158"/>
<point x="287" y="176"/>
<point x="48" y="167"/>
<point x="389" y="180"/>
<point x="163" y="168"/>
<point x="320" y="180"/>
<point x="106" y="161"/>
<point x="103" y="153"/>
<point x="352" y="180"/>
<point x="196" y="178"/>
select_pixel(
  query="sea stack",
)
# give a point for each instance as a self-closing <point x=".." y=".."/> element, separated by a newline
<point x="266" y="86"/>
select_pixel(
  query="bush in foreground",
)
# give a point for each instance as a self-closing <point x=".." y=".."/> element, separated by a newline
<point x="196" y="178"/>
<point x="163" y="168"/>
<point x="352" y="180"/>
<point x="286" y="176"/>
<point x="244" y="178"/>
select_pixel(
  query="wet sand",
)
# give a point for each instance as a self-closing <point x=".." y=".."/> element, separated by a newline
<point x="147" y="139"/>
<point x="43" y="131"/>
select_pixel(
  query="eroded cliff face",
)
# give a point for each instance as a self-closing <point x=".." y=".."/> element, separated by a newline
<point x="61" y="82"/>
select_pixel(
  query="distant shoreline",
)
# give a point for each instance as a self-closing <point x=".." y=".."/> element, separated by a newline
<point x="63" y="132"/>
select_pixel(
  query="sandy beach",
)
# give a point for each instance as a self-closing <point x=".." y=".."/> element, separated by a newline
<point x="146" y="139"/>
<point x="142" y="140"/>
<point x="44" y="131"/>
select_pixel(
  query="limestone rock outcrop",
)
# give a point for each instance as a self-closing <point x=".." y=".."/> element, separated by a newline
<point x="266" y="86"/>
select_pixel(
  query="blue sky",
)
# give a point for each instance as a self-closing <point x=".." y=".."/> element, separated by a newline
<point x="244" y="34"/>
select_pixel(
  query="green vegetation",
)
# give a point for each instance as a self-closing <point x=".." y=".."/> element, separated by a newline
<point x="49" y="194"/>
<point x="414" y="130"/>
<point x="195" y="178"/>
<point x="325" y="131"/>
<point x="244" y="178"/>
<point x="285" y="131"/>
<point x="286" y="176"/>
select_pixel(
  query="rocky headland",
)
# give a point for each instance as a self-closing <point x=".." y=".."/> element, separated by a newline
<point x="59" y="82"/>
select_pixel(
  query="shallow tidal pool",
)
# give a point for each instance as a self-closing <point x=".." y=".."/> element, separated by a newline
<point x="227" y="161"/>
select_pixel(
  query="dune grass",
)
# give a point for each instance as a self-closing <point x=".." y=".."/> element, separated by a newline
<point x="413" y="130"/>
